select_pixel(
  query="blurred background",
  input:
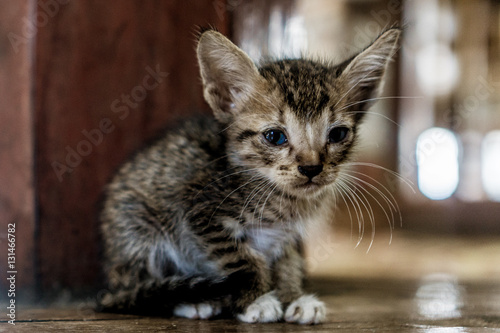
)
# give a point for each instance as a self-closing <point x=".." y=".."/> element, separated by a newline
<point x="85" y="83"/>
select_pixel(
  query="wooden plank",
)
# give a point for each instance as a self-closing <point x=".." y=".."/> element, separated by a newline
<point x="97" y="100"/>
<point x="17" y="204"/>
<point x="355" y="305"/>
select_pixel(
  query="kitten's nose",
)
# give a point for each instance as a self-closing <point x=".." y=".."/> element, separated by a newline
<point x="310" y="171"/>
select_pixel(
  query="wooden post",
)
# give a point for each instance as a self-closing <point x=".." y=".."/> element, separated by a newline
<point x="17" y="196"/>
<point x="86" y="87"/>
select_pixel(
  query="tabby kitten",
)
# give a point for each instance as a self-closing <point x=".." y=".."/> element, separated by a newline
<point x="210" y="219"/>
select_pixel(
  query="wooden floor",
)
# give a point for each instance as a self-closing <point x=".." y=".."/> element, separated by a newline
<point x="428" y="285"/>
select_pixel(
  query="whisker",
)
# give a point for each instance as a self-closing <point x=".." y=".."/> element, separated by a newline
<point x="261" y="187"/>
<point x="342" y="195"/>
<point x="355" y="185"/>
<point x="281" y="202"/>
<point x="357" y="179"/>
<point x="230" y="193"/>
<point x="378" y="99"/>
<point x="267" y="186"/>
<point x="265" y="201"/>
<point x="408" y="182"/>
<point x="354" y="199"/>
<point x="389" y="197"/>
<point x="233" y="123"/>
<point x="377" y="114"/>
<point x="389" y="219"/>
<point x="225" y="176"/>
<point x="252" y="194"/>
<point x="218" y="159"/>
<point x="366" y="204"/>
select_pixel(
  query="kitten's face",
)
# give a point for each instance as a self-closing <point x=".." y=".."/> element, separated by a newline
<point x="292" y="121"/>
<point x="300" y="133"/>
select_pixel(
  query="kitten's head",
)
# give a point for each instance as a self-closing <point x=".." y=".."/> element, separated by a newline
<point x="293" y="121"/>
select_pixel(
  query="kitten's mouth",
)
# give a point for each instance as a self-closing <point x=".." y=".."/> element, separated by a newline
<point x="309" y="186"/>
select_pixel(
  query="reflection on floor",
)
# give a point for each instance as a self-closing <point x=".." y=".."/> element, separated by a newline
<point x="416" y="284"/>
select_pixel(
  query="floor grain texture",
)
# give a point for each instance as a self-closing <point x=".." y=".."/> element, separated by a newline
<point x="428" y="285"/>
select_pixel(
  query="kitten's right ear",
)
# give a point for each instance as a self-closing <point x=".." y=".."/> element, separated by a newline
<point x="229" y="75"/>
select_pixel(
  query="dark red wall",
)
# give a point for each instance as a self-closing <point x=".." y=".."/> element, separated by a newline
<point x="83" y="84"/>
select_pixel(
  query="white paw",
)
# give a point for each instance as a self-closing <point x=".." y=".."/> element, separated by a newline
<point x="265" y="309"/>
<point x="306" y="309"/>
<point x="198" y="311"/>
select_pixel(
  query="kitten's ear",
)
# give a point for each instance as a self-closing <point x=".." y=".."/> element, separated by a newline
<point x="229" y="75"/>
<point x="362" y="76"/>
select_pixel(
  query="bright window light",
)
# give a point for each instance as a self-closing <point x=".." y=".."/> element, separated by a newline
<point x="490" y="164"/>
<point x="437" y="160"/>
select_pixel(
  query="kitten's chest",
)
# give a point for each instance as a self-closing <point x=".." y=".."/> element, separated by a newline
<point x="270" y="240"/>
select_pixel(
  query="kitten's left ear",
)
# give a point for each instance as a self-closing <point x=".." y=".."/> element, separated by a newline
<point x="361" y="78"/>
<point x="229" y="75"/>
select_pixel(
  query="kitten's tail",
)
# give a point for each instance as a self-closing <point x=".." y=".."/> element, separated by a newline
<point x="160" y="297"/>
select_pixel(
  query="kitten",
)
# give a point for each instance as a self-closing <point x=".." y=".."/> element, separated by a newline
<point x="211" y="218"/>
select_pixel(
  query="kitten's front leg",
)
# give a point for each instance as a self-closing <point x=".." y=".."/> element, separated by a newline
<point x="289" y="276"/>
<point x="253" y="299"/>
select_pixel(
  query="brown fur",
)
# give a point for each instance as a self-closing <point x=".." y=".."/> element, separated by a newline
<point x="214" y="213"/>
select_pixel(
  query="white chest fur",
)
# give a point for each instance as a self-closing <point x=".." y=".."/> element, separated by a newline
<point x="270" y="240"/>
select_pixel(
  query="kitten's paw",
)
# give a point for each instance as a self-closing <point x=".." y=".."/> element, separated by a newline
<point x="306" y="310"/>
<point x="198" y="311"/>
<point x="265" y="309"/>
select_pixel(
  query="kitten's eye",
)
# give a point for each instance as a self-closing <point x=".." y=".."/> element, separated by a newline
<point x="276" y="137"/>
<point x="338" y="134"/>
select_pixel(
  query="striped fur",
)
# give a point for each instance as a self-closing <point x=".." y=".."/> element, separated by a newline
<point x="210" y="219"/>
